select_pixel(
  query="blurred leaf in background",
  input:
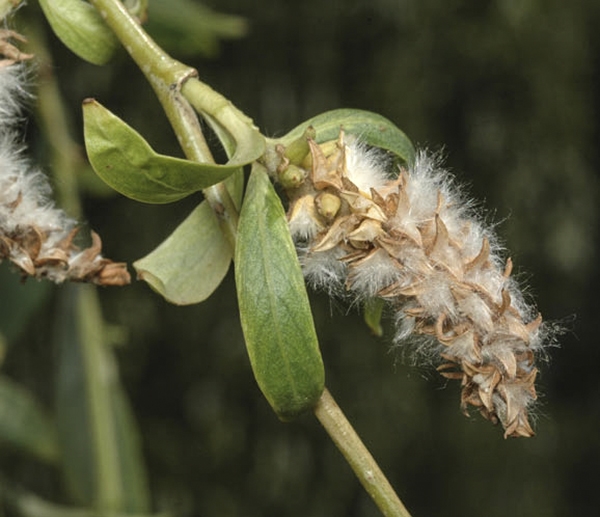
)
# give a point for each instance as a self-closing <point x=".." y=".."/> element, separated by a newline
<point x="24" y="424"/>
<point x="103" y="465"/>
<point x="18" y="302"/>
<point x="189" y="28"/>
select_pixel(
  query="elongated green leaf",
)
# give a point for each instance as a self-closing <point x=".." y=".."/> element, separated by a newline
<point x="81" y="28"/>
<point x="124" y="160"/>
<point x="191" y="263"/>
<point x="372" y="128"/>
<point x="274" y="308"/>
<point x="100" y="444"/>
<point x="24" y="424"/>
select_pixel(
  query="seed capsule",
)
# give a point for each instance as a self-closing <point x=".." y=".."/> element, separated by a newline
<point x="328" y="205"/>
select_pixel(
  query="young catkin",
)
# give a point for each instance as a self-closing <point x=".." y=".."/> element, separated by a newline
<point x="36" y="236"/>
<point x="414" y="241"/>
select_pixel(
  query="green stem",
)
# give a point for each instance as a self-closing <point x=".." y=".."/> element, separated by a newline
<point x="176" y="87"/>
<point x="357" y="455"/>
<point x="167" y="77"/>
<point x="165" y="74"/>
<point x="161" y="69"/>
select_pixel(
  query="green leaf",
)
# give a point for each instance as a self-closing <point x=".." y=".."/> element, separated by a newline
<point x="81" y="28"/>
<point x="124" y="160"/>
<point x="373" y="310"/>
<point x="274" y="308"/>
<point x="235" y="186"/>
<point x="191" y="263"/>
<point x="99" y="439"/>
<point x="371" y="128"/>
<point x="24" y="424"/>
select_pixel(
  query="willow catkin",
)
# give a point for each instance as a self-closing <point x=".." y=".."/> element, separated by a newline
<point x="36" y="236"/>
<point x="415" y="242"/>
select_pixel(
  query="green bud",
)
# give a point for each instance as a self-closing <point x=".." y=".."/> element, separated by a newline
<point x="292" y="176"/>
<point x="328" y="205"/>
<point x="297" y="150"/>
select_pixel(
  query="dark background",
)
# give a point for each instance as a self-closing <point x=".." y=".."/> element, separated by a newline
<point x="509" y="89"/>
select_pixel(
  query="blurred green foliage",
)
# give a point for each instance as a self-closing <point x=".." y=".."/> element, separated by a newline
<point x="509" y="89"/>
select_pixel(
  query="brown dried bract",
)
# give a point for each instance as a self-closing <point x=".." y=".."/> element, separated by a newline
<point x="10" y="52"/>
<point x="28" y="249"/>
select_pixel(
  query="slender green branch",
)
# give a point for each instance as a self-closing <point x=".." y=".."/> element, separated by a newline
<point x="176" y="87"/>
<point x="167" y="76"/>
<point x="160" y="68"/>
<point x="360" y="459"/>
<point x="187" y="128"/>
